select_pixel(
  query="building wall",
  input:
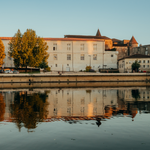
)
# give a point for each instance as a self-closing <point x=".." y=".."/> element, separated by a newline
<point x="96" y="58"/>
<point x="125" y="65"/>
<point x="82" y="53"/>
<point x="8" y="61"/>
<point x="122" y="51"/>
<point x="108" y="44"/>
<point x="145" y="50"/>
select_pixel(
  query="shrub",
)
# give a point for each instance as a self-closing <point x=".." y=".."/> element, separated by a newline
<point x="48" y="69"/>
<point x="88" y="68"/>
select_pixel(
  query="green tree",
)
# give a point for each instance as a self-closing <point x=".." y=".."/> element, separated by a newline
<point x="2" y="52"/>
<point x="136" y="66"/>
<point x="28" y="49"/>
<point x="43" y="64"/>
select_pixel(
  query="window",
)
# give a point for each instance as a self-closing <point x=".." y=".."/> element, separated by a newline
<point x="67" y="64"/>
<point x="148" y="61"/>
<point x="82" y="57"/>
<point x="139" y="61"/>
<point x="55" y="65"/>
<point x="69" y="47"/>
<point x="143" y="61"/>
<point x="130" y="62"/>
<point x="146" y="52"/>
<point x="68" y="56"/>
<point x="126" y="62"/>
<point x="82" y="101"/>
<point x="112" y="55"/>
<point x="69" y="101"/>
<point x="9" y="58"/>
<point x="147" y="66"/>
<point x="94" y="56"/>
<point x="94" y="47"/>
<point x="55" y="56"/>
<point x="54" y="46"/>
<point x="143" y="66"/>
<point x="82" y="47"/>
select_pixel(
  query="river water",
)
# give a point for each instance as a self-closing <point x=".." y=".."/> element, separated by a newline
<point x="75" y="118"/>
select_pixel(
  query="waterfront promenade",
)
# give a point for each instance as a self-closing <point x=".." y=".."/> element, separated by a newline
<point x="75" y="79"/>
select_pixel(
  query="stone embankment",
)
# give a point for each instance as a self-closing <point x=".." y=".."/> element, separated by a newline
<point x="74" y="77"/>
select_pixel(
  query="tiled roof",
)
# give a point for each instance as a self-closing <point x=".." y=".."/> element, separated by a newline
<point x="136" y="56"/>
<point x="86" y="36"/>
<point x="5" y="38"/>
<point x="60" y="39"/>
<point x="71" y="39"/>
<point x="116" y="40"/>
<point x="133" y="41"/>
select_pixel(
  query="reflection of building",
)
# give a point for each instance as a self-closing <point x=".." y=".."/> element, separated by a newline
<point x="125" y="64"/>
<point x="88" y="103"/>
<point x="80" y="102"/>
<point x="127" y="95"/>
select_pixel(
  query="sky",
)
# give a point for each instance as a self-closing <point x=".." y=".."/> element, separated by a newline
<point x="119" y="19"/>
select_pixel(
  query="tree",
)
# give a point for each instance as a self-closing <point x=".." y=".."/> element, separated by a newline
<point x="28" y="49"/>
<point x="135" y="94"/>
<point x="2" y="107"/>
<point x="2" y="53"/>
<point x="136" y="66"/>
<point x="29" y="109"/>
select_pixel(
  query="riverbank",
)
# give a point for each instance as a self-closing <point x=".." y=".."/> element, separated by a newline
<point x="74" y="77"/>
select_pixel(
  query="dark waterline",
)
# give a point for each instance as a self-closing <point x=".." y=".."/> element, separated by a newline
<point x="87" y="118"/>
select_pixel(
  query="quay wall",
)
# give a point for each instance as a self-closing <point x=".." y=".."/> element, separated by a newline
<point x="67" y="78"/>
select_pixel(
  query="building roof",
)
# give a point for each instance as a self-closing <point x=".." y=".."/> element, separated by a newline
<point x="71" y="39"/>
<point x="97" y="36"/>
<point x="98" y="33"/>
<point x="135" y="56"/>
<point x="133" y="41"/>
<point x="116" y="40"/>
<point x="86" y="37"/>
<point x="60" y="39"/>
<point x="5" y="38"/>
<point x="120" y="45"/>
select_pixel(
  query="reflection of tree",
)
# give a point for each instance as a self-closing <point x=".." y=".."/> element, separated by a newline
<point x="2" y="108"/>
<point x="135" y="94"/>
<point x="29" y="109"/>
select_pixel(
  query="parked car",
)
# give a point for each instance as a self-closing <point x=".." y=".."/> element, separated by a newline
<point x="8" y="71"/>
<point x="1" y="71"/>
<point x="92" y="70"/>
<point x="16" y="71"/>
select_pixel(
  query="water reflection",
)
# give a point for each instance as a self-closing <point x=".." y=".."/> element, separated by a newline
<point x="27" y="108"/>
<point x="2" y="107"/>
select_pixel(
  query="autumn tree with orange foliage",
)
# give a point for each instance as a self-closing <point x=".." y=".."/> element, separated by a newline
<point x="2" y="107"/>
<point x="2" y="53"/>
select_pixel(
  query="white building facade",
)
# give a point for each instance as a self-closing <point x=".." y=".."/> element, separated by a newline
<point x="68" y="54"/>
<point x="125" y="64"/>
<point x="73" y="54"/>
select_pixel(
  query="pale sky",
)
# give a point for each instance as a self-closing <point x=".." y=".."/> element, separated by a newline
<point x="55" y="18"/>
